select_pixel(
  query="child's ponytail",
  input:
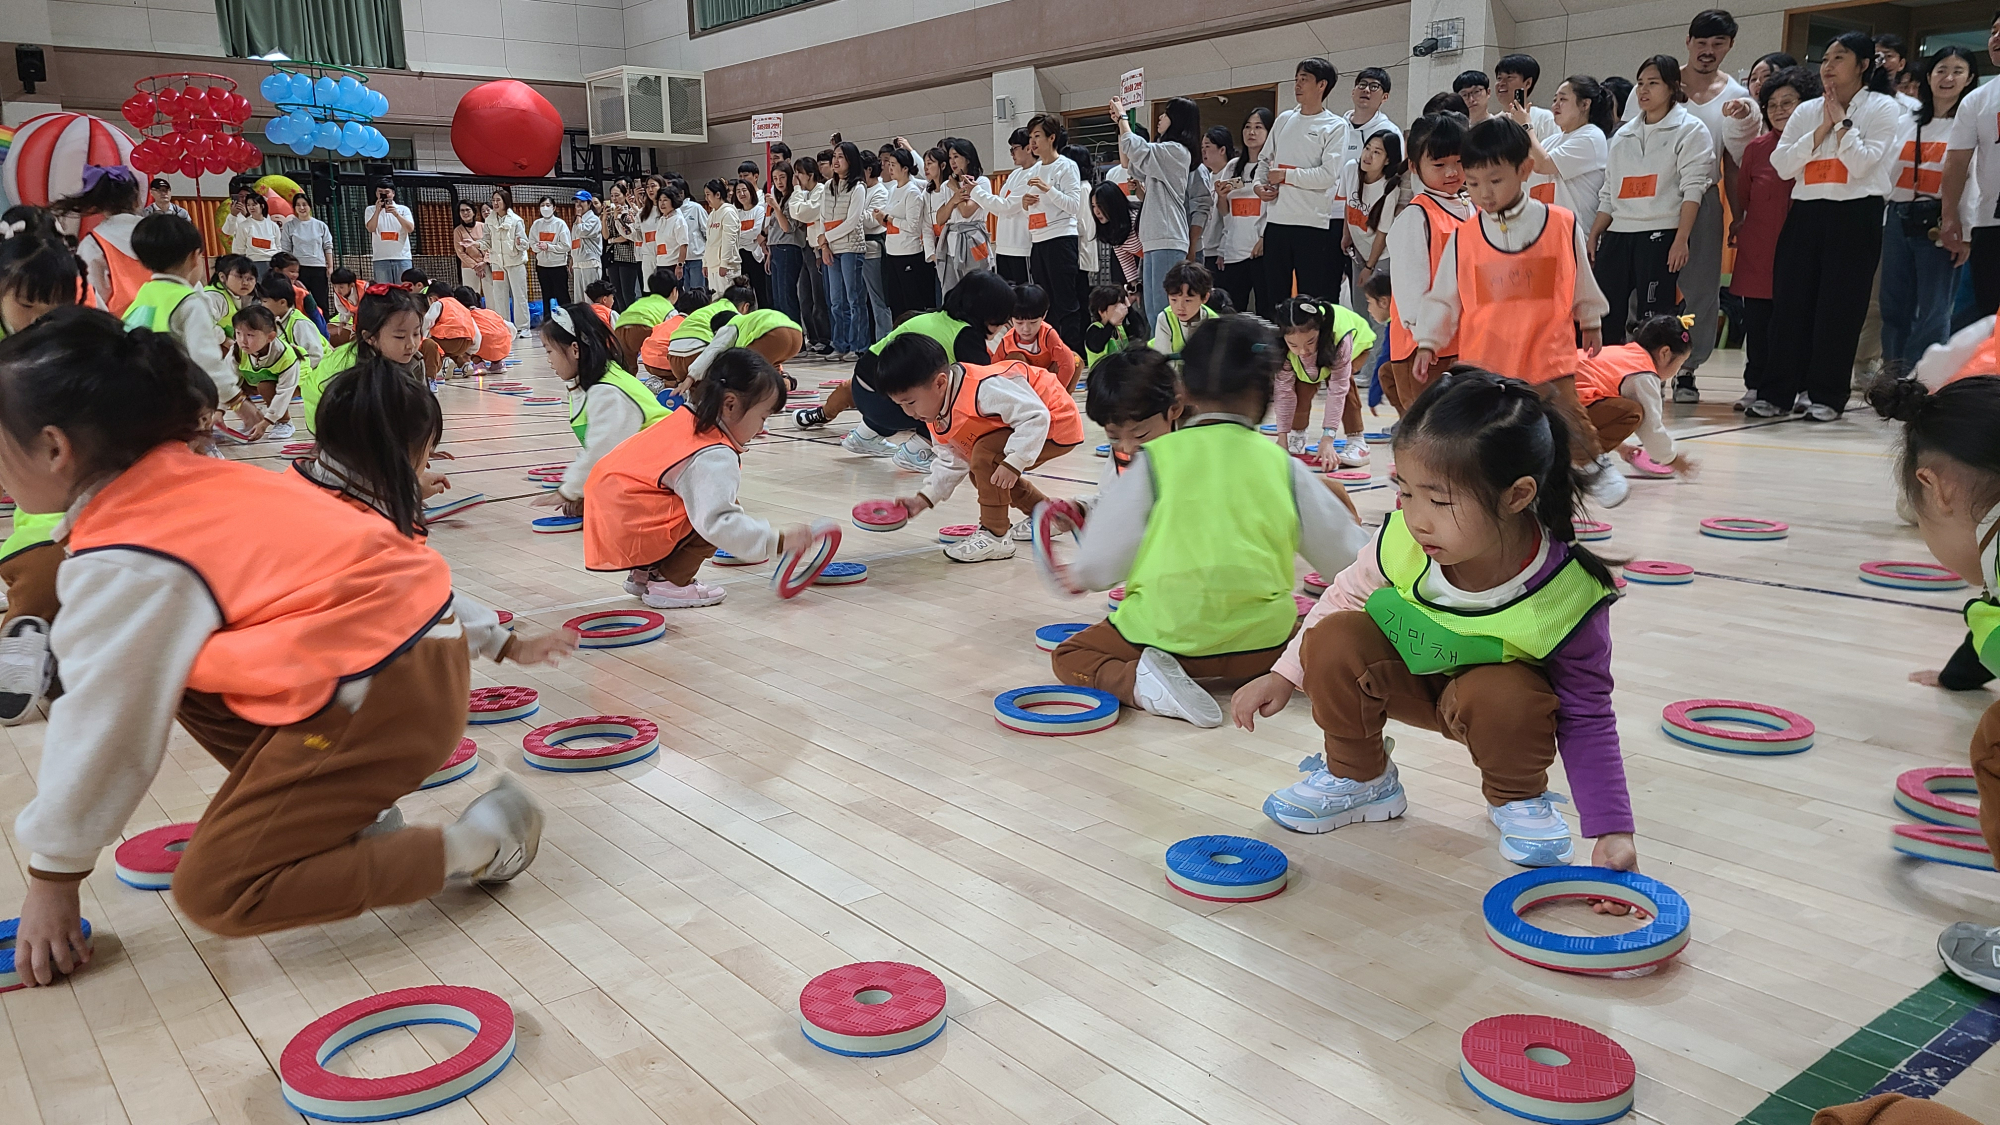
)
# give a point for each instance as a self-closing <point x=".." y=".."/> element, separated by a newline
<point x="117" y="394"/>
<point x="1958" y="423"/>
<point x="1311" y="312"/>
<point x="1229" y="362"/>
<point x="375" y="426"/>
<point x="739" y="371"/>
<point x="576" y="326"/>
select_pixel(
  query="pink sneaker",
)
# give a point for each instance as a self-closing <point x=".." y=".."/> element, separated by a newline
<point x="666" y="595"/>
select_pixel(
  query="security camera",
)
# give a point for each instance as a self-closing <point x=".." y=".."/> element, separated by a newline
<point x="1425" y="46"/>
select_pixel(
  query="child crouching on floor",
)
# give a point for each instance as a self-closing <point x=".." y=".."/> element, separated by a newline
<point x="1476" y="614"/>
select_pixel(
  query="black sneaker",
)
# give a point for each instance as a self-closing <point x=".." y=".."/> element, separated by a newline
<point x="1684" y="390"/>
<point x="811" y="418"/>
<point x="1972" y="952"/>
<point x="26" y="668"/>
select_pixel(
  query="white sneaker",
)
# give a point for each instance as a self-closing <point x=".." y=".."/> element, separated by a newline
<point x="1608" y="488"/>
<point x="26" y="668"/>
<point x="1164" y="688"/>
<point x="1742" y="405"/>
<point x="982" y="547"/>
<point x="1761" y="408"/>
<point x="911" y="458"/>
<point x="636" y="582"/>
<point x="866" y="442"/>
<point x="509" y="816"/>
<point x="1972" y="952"/>
<point x="387" y="821"/>
<point x="1023" y="532"/>
<point x="1354" y="454"/>
<point x="1820" y="412"/>
<point x="694" y="595"/>
<point x="1323" y="802"/>
<point x="1533" y="833"/>
<point x="1800" y="402"/>
<point x="1295" y="443"/>
<point x="281" y="431"/>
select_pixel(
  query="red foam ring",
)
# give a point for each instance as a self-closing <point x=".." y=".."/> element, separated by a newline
<point x="916" y="996"/>
<point x="1599" y="1069"/>
<point x="300" y="1069"/>
<point x="150" y="850"/>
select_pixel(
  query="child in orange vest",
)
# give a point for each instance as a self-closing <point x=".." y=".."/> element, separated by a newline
<point x="1516" y="290"/>
<point x="449" y="333"/>
<point x="994" y="422"/>
<point x="311" y="649"/>
<point x="603" y="297"/>
<point x="496" y="337"/>
<point x="1032" y="340"/>
<point x="1416" y="243"/>
<point x="662" y="501"/>
<point x="346" y="289"/>
<point x="1620" y="388"/>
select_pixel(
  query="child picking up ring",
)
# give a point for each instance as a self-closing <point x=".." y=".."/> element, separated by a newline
<point x="1477" y="615"/>
<point x="608" y="403"/>
<point x="1621" y="390"/>
<point x="1324" y="342"/>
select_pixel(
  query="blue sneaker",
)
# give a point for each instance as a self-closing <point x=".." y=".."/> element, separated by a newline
<point x="912" y="458"/>
<point x="1533" y="833"/>
<point x="1323" y="802"/>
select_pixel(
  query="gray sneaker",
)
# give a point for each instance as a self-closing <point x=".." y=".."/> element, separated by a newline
<point x="1164" y="688"/>
<point x="1322" y="802"/>
<point x="26" y="668"/>
<point x="506" y="813"/>
<point x="1973" y="953"/>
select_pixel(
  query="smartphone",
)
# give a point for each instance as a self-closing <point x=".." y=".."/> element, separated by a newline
<point x="1520" y="97"/>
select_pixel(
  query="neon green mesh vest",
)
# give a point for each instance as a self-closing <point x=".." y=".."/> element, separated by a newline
<point x="647" y="312"/>
<point x="700" y="324"/>
<point x="153" y="305"/>
<point x="30" y="530"/>
<point x="938" y="326"/>
<point x="647" y="402"/>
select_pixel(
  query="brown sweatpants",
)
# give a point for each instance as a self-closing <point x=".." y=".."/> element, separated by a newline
<point x="1505" y="714"/>
<point x="435" y="350"/>
<point x="278" y="846"/>
<point x="987" y="453"/>
<point x="687" y="556"/>
<point x="1614" y="419"/>
<point x="1350" y="411"/>
<point x="1403" y="387"/>
<point x="1891" y="1109"/>
<point x="1102" y="658"/>
<point x="1584" y="441"/>
<point x="1986" y="775"/>
<point x="631" y="338"/>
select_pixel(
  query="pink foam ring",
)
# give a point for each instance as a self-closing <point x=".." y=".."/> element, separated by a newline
<point x="832" y="384"/>
<point x="872" y="1008"/>
<point x="1304" y="604"/>
<point x="1352" y="476"/>
<point x="1910" y="575"/>
<point x="310" y="1088"/>
<point x="506" y="619"/>
<point x="1547" y="1069"/>
<point x="1921" y="794"/>
<point x="798" y="569"/>
<point x="1591" y="531"/>
<point x="545" y="748"/>
<point x="1314" y="583"/>
<point x="148" y="861"/>
<point x="502" y="704"/>
<point x="1960" y="847"/>
<point x="1653" y="572"/>
<point x="1692" y="721"/>
<point x="542" y="400"/>
<point x="1743" y="527"/>
<point x="957" y="532"/>
<point x="547" y="472"/>
<point x="1044" y="520"/>
<point x="880" y="515"/>
<point x="300" y="449"/>
<point x="463" y="760"/>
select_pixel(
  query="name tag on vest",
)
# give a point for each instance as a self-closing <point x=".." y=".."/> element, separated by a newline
<point x="1037" y="220"/>
<point x="1638" y="187"/>
<point x="1828" y="171"/>
<point x="1426" y="646"/>
<point x="1515" y="281"/>
<point x="1246" y="208"/>
<point x="1544" y="192"/>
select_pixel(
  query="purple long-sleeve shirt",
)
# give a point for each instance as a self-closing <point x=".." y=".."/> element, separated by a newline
<point x="1579" y="671"/>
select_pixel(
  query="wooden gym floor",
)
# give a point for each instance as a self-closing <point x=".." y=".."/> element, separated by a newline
<point x="832" y="788"/>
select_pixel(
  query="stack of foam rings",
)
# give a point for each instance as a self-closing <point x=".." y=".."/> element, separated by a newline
<point x="1910" y="576"/>
<point x="1950" y="829"/>
<point x="311" y="1089"/>
<point x="1355" y="480"/>
<point x="1048" y="638"/>
<point x="501" y="704"/>
<point x="872" y="1009"/>
<point x="842" y="574"/>
<point x="957" y="532"/>
<point x="1113" y="598"/>
<point x="1547" y="1069"/>
<point x="1590" y="531"/>
<point x="6" y="503"/>
<point x="299" y="449"/>
<point x="832" y="384"/>
<point x="556" y="525"/>
<point x="1227" y="868"/>
<point x="548" y="476"/>
<point x="880" y="515"/>
<point x="10" y="977"/>
<point x="1741" y="527"/>
<point x="547" y="748"/>
<point x="1055" y="709"/>
<point x="1774" y="730"/>
<point x="1655" y="943"/>
<point x="1653" y="572"/>
<point x="148" y="861"/>
<point x="509" y="388"/>
<point x="463" y="760"/>
<point x="1104" y="450"/>
<point x="617" y="628"/>
<point x="445" y="508"/>
<point x="1314" y="584"/>
<point x="724" y="558"/>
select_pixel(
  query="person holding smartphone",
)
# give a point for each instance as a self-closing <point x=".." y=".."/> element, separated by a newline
<point x="390" y="228"/>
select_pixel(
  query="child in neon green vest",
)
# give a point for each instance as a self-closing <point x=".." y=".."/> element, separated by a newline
<point x="1476" y="614"/>
<point x="607" y="403"/>
<point x="1324" y="342"/>
<point x="1949" y="473"/>
<point x="171" y="247"/>
<point x="1106" y="333"/>
<point x="1201" y="529"/>
<point x="275" y="292"/>
<point x="267" y="361"/>
<point x="1188" y="286"/>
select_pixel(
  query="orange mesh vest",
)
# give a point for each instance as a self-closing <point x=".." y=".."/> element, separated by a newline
<point x="496" y="336"/>
<point x="603" y="312"/>
<point x="1598" y="377"/>
<point x="1442" y="223"/>
<point x="344" y="496"/>
<point x="967" y="425"/>
<point x="629" y="518"/>
<point x="1985" y="361"/>
<point x="454" y="321"/>
<point x="1051" y="353"/>
<point x="1517" y="317"/>
<point x="653" y="353"/>
<point x="311" y="594"/>
<point x="127" y="275"/>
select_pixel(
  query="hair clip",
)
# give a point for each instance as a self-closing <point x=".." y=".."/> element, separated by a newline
<point x="1687" y="320"/>
<point x="561" y="316"/>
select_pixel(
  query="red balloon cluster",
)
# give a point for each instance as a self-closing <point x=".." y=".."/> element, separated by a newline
<point x="203" y="131"/>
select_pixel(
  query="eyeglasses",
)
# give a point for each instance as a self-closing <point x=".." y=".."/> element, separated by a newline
<point x="1371" y="87"/>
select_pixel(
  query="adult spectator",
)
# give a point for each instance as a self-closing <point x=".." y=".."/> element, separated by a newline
<point x="161" y="199"/>
<point x="1302" y="162"/>
<point x="1369" y="92"/>
<point x="1974" y="152"/>
<point x="1514" y="79"/>
<point x="391" y="231"/>
<point x="1165" y="167"/>
<point x="468" y="237"/>
<point x="586" y="244"/>
<point x="1917" y="271"/>
<point x="621" y="258"/>
<point x="309" y="241"/>
<point x="1569" y="167"/>
<point x="1476" y="90"/>
<point x="1892" y="54"/>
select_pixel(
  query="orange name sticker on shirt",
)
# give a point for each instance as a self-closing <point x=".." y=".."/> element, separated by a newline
<point x="1037" y="220"/>
<point x="749" y="224"/>
<point x="889" y="226"/>
<point x="548" y="236"/>
<point x="1544" y="192"/>
<point x="1930" y="181"/>
<point x="576" y="243"/>
<point x="260" y="243"/>
<point x="1638" y="187"/>
<point x="980" y="250"/>
<point x="391" y="235"/>
<point x="1126" y="187"/>
<point x="652" y="236"/>
<point x="1356" y="217"/>
<point x="1514" y="281"/>
<point x="1933" y="152"/>
<point x="1828" y="171"/>
<point x="1246" y="208"/>
<point x="499" y="275"/>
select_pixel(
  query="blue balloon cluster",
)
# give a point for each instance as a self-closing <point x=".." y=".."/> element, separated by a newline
<point x="327" y="113"/>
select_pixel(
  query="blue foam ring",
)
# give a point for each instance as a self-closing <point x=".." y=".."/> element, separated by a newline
<point x="453" y="507"/>
<point x="557" y="523"/>
<point x="1104" y="450"/>
<point x="1269" y="427"/>
<point x="1680" y="736"/>
<point x="9" y="930"/>
<point x="1650" y="944"/>
<point x="842" y="574"/>
<point x="1376" y="435"/>
<point x="1083" y="721"/>
<point x="1048" y="637"/>
<point x="1258" y="870"/>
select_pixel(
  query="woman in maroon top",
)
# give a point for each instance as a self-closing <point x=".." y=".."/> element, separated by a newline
<point x="1754" y="232"/>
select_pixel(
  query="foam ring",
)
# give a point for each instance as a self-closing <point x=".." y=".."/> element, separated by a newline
<point x="547" y="472"/>
<point x="1103" y="450"/>
<point x="1591" y="531"/>
<point x="1922" y="795"/>
<point x="1077" y="710"/>
<point x="147" y="861"/>
<point x="464" y="759"/>
<point x="1653" y="572"/>
<point x="490" y="705"/>
<point x="617" y="628"/>
<point x="799" y="569"/>
<point x="1112" y="599"/>
<point x="1547" y="1069"/>
<point x="453" y="507"/>
<point x="556" y="525"/>
<point x="506" y="619"/>
<point x="880" y="515"/>
<point x="842" y="574"/>
<point x="1910" y="576"/>
<point x="544" y="747"/>
<point x="1376" y="435"/>
<point x="1741" y="527"/>
<point x="831" y="384"/>
<point x="1041" y="522"/>
<point x="724" y="558"/>
<point x="1959" y="847"/>
<point x="1048" y="638"/>
<point x="317" y="1092"/>
<point x="1657" y="941"/>
<point x="506" y="385"/>
<point x="873" y="1008"/>
<point x="1314" y="584"/>
<point x="300" y="449"/>
<point x="1352" y="476"/>
<point x="1781" y="731"/>
<point x="1304" y="604"/>
<point x="10" y="978"/>
<point x="542" y="400"/>
<point x="957" y="532"/>
<point x="1227" y="868"/>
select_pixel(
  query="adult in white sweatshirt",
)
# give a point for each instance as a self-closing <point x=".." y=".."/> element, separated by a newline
<point x="549" y="242"/>
<point x="1051" y="197"/>
<point x="1301" y="167"/>
<point x="506" y="246"/>
<point x="1659" y="166"/>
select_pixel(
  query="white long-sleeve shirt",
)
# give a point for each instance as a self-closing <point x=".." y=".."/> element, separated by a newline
<point x="1644" y="389"/>
<point x="1055" y="209"/>
<point x="254" y="238"/>
<point x="722" y="256"/>
<point x="613" y="417"/>
<point x="266" y="367"/>
<point x="908" y="225"/>
<point x="843" y="211"/>
<point x="708" y="483"/>
<point x="809" y="208"/>
<point x="1853" y="162"/>
<point x="1652" y="169"/>
<point x="670" y="239"/>
<point x="1010" y="227"/>
<point x="506" y="241"/>
<point x="1510" y="231"/>
<point x="1310" y="150"/>
<point x="1018" y="407"/>
<point x="304" y="335"/>
<point x="548" y="239"/>
<point x="1580" y="157"/>
<point x="195" y="325"/>
<point x="696" y="218"/>
<point x="1410" y="255"/>
<point x="587" y="240"/>
<point x="1240" y="233"/>
<point x="308" y="240"/>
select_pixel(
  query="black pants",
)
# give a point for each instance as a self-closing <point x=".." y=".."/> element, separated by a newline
<point x="1245" y="279"/>
<point x="817" y="319"/>
<point x="1985" y="266"/>
<point x="1821" y="279"/>
<point x="754" y="273"/>
<point x="1964" y="672"/>
<point x="1015" y="270"/>
<point x="1052" y="262"/>
<point x="1634" y="262"/>
<point x="554" y="281"/>
<point x="908" y="283"/>
<point x="1756" y="341"/>
<point x="625" y="279"/>
<point x="878" y="410"/>
<point x="1311" y="253"/>
<point x="314" y="279"/>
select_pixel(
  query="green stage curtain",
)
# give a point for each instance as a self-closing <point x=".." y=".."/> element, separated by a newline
<point x="354" y="33"/>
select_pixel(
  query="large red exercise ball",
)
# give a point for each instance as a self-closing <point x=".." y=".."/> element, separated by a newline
<point x="505" y="128"/>
<point x="49" y="152"/>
